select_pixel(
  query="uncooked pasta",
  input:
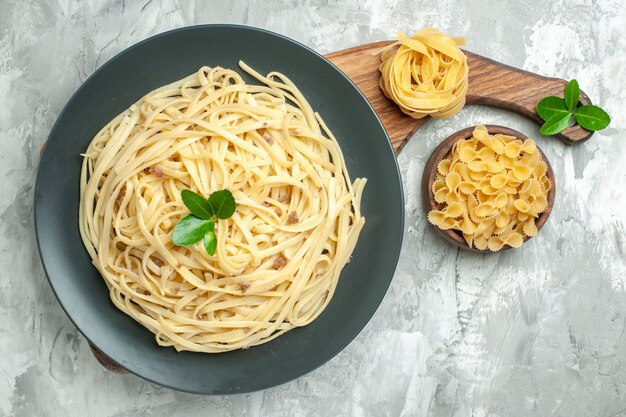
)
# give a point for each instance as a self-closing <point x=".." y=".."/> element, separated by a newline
<point x="491" y="188"/>
<point x="426" y="74"/>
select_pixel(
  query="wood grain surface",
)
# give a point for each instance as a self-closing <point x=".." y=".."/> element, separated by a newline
<point x="490" y="83"/>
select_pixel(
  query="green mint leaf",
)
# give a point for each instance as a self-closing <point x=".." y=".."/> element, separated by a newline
<point x="190" y="229"/>
<point x="551" y="105"/>
<point x="223" y="203"/>
<point x="556" y="124"/>
<point x="592" y="117"/>
<point x="210" y="242"/>
<point x="197" y="205"/>
<point x="572" y="94"/>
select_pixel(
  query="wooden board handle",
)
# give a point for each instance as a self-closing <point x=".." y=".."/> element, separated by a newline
<point x="498" y="85"/>
<point x="490" y="83"/>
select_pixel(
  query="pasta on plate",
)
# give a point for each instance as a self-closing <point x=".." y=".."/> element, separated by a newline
<point x="278" y="257"/>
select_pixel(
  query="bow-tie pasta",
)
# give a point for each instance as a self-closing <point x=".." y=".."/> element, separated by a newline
<point x="491" y="188"/>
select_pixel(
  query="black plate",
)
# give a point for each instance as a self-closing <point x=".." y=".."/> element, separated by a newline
<point x="80" y="288"/>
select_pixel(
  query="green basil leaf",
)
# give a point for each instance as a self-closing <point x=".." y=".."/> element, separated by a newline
<point x="551" y="105"/>
<point x="190" y="229"/>
<point x="556" y="124"/>
<point x="210" y="242"/>
<point x="572" y="94"/>
<point x="223" y="203"/>
<point x="197" y="205"/>
<point x="592" y="117"/>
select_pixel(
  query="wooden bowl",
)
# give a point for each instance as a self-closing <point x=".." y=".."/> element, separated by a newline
<point x="430" y="171"/>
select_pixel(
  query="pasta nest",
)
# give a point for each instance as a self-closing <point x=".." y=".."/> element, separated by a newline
<point x="426" y="74"/>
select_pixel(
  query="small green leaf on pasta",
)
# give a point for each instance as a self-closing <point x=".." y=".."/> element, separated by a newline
<point x="551" y="105"/>
<point x="592" y="117"/>
<point x="572" y="94"/>
<point x="222" y="203"/>
<point x="210" y="242"/>
<point x="190" y="229"/>
<point x="198" y="205"/>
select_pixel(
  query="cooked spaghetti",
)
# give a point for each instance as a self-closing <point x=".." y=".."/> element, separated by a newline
<point x="278" y="257"/>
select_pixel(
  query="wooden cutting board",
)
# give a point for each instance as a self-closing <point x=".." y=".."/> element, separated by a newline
<point x="490" y="83"/>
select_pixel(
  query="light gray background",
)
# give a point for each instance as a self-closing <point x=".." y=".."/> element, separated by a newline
<point x="532" y="332"/>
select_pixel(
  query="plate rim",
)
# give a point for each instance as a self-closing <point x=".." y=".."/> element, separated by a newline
<point x="36" y="213"/>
